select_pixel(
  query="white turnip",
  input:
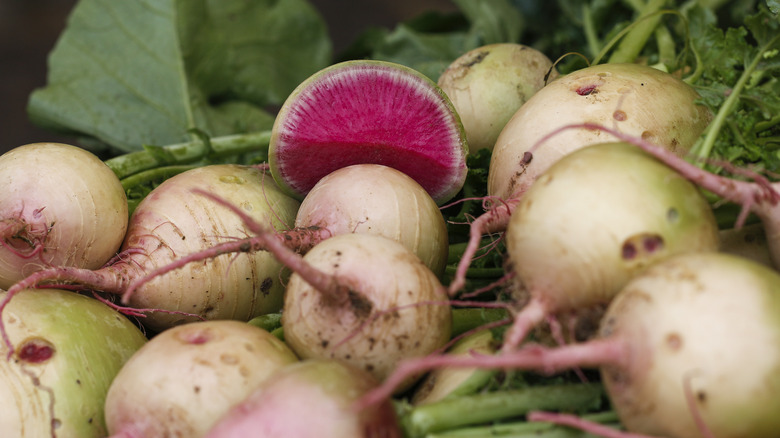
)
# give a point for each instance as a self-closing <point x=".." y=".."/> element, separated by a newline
<point x="312" y="398"/>
<point x="386" y="202"/>
<point x="376" y="199"/>
<point x="488" y="84"/>
<point x="61" y="206"/>
<point x="689" y="348"/>
<point x="635" y="99"/>
<point x="760" y="196"/>
<point x="185" y="378"/>
<point x="69" y="349"/>
<point x="381" y="305"/>
<point x="597" y="217"/>
<point x="362" y="298"/>
<point x="171" y="222"/>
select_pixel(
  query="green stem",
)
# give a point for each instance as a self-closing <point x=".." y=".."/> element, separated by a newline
<point x="469" y="318"/>
<point x="268" y="322"/>
<point x="704" y="149"/>
<point x="525" y="429"/>
<point x="589" y="27"/>
<point x="633" y="43"/>
<point x="137" y="186"/>
<point x="499" y="405"/>
<point x="188" y="152"/>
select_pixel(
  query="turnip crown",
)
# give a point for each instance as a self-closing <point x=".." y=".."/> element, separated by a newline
<point x="369" y="112"/>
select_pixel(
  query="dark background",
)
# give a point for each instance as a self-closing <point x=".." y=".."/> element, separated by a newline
<point x="29" y="29"/>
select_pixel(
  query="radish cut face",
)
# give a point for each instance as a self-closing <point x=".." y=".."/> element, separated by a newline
<point x="375" y="112"/>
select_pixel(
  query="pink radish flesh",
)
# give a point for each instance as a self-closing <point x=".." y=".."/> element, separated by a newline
<point x="369" y="112"/>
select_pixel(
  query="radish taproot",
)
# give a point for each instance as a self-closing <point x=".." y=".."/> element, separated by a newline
<point x="361" y="298"/>
<point x="312" y="398"/>
<point x="488" y="84"/>
<point x="61" y="206"/>
<point x="70" y="348"/>
<point x="688" y="348"/>
<point x="635" y="99"/>
<point x="171" y="222"/>
<point x="367" y="111"/>
<point x="594" y="219"/>
<point x="187" y="377"/>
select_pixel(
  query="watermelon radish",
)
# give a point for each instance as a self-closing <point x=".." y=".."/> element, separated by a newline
<point x="367" y="111"/>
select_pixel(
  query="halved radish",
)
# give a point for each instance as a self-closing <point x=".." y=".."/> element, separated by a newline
<point x="367" y="111"/>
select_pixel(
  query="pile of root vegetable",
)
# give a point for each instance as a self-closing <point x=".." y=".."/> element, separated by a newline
<point x="517" y="233"/>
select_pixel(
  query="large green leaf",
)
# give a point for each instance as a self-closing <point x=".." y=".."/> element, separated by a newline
<point x="136" y="72"/>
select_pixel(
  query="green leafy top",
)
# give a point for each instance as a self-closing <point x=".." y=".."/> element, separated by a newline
<point x="147" y="72"/>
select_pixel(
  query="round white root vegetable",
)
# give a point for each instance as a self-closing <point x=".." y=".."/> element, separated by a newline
<point x="596" y="218"/>
<point x="70" y="347"/>
<point x="376" y="304"/>
<point x="634" y="99"/>
<point x="61" y="206"/>
<point x="690" y="348"/>
<point x="310" y="399"/>
<point x="187" y="377"/>
<point x="172" y="222"/>
<point x="362" y="298"/>
<point x="487" y="85"/>
<point x="387" y="202"/>
<point x="376" y="199"/>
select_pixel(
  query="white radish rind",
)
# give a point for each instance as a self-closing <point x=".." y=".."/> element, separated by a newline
<point x="70" y="348"/>
<point x="388" y="305"/>
<point x="184" y="379"/>
<point x="172" y="222"/>
<point x="61" y="206"/>
<point x="700" y="325"/>
<point x="595" y="219"/>
<point x="488" y="84"/>
<point x="310" y="399"/>
<point x="376" y="199"/>
<point x="690" y="348"/>
<point x="369" y="111"/>
<point x="633" y="99"/>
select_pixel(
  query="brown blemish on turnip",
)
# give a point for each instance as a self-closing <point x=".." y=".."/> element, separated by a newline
<point x="674" y="341"/>
<point x="587" y="90"/>
<point x="35" y="351"/>
<point x="620" y="115"/>
<point x="642" y="244"/>
<point x="228" y="359"/>
<point x="478" y="57"/>
<point x="265" y="285"/>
